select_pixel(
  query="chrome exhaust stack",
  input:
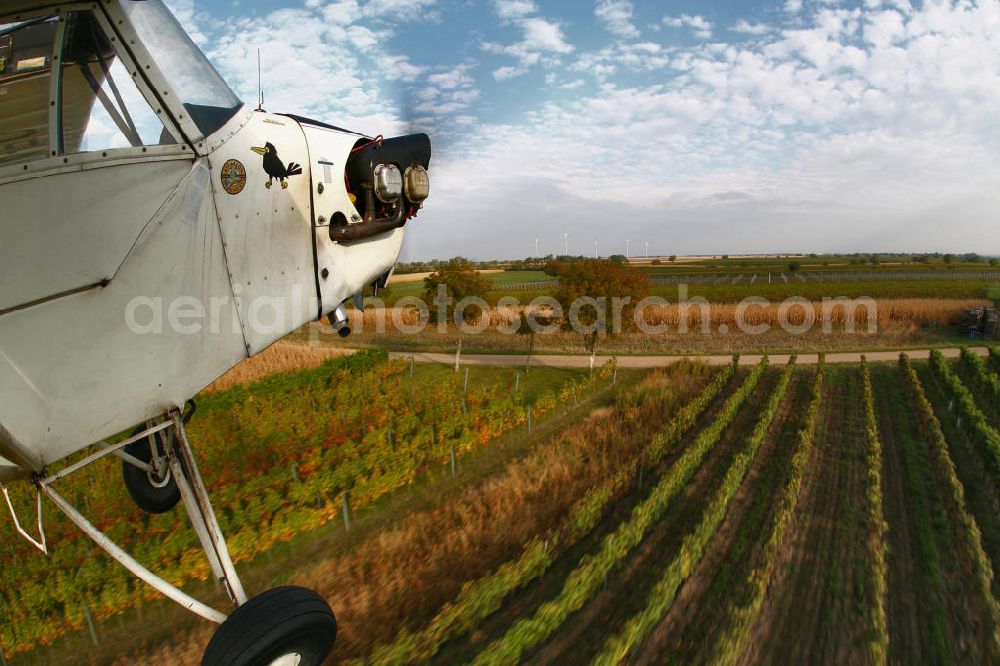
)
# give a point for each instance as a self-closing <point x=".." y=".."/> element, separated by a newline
<point x="339" y="321"/>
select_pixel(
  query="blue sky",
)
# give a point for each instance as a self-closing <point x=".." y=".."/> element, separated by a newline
<point x="695" y="127"/>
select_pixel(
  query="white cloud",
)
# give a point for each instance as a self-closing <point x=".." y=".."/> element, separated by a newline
<point x="793" y="6"/>
<point x="636" y="57"/>
<point x="508" y="72"/>
<point x="701" y="26"/>
<point x="346" y="12"/>
<point x="745" y="27"/>
<point x="540" y="37"/>
<point x="514" y="9"/>
<point x="543" y="35"/>
<point x="399" y="68"/>
<point x="616" y="16"/>
<point x="884" y="28"/>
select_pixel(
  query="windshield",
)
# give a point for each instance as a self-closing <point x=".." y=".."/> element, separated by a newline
<point x="206" y="96"/>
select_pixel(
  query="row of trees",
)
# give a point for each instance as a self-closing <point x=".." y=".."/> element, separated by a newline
<point x="593" y="292"/>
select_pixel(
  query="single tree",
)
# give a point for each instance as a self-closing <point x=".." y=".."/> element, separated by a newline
<point x="459" y="279"/>
<point x="602" y="294"/>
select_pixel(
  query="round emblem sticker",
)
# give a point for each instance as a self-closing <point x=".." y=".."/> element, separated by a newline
<point x="234" y="176"/>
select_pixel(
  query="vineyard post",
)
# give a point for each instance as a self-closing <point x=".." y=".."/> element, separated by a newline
<point x="465" y="388"/>
<point x="614" y="377"/>
<point x="295" y="473"/>
<point x="388" y="435"/>
<point x="452" y="461"/>
<point x="458" y="354"/>
<point x="90" y="624"/>
<point x="529" y="420"/>
<point x="517" y="382"/>
<point x="411" y="366"/>
<point x="347" y="511"/>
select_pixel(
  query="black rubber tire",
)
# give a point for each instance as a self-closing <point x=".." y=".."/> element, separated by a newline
<point x="278" y="622"/>
<point x="148" y="497"/>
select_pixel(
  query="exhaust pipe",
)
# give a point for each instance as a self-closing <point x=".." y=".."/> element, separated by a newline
<point x="339" y="321"/>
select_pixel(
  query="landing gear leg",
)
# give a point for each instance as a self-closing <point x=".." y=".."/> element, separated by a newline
<point x="285" y="626"/>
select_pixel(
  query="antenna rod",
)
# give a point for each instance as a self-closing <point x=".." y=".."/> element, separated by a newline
<point x="260" y="88"/>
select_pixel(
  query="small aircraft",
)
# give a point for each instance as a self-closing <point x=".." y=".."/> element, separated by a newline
<point x="137" y="190"/>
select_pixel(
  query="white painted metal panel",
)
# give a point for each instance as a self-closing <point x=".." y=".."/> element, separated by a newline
<point x="349" y="267"/>
<point x="267" y="231"/>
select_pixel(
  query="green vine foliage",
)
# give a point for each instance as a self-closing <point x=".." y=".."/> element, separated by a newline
<point x="878" y="545"/>
<point x="986" y="383"/>
<point x="276" y="457"/>
<point x="735" y="638"/>
<point x="974" y="422"/>
<point x="971" y="540"/>
<point x="482" y="597"/>
<point x="584" y="581"/>
<point x="620" y="647"/>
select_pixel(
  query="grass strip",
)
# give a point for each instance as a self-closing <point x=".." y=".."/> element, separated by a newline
<point x="484" y="596"/>
<point x="878" y="546"/>
<point x="619" y="647"/>
<point x="970" y="542"/>
<point x="736" y="637"/>
<point x="587" y="578"/>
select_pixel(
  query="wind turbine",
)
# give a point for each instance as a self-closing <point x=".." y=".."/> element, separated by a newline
<point x="595" y="249"/>
<point x="647" y="249"/>
<point x="536" y="248"/>
<point x="627" y="241"/>
<point x="566" y="241"/>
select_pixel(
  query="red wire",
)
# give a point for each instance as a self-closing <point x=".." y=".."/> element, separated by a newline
<point x="377" y="139"/>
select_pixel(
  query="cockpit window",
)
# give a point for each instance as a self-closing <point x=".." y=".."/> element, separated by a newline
<point x="96" y="105"/>
<point x="25" y="67"/>
<point x="207" y="98"/>
<point x="101" y="106"/>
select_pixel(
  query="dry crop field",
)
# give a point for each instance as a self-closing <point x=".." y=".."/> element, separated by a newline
<point x="898" y="323"/>
<point x="796" y="514"/>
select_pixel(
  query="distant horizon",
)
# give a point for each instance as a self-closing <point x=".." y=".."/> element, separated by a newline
<point x="720" y="256"/>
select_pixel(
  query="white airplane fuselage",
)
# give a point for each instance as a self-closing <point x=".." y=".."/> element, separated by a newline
<point x="134" y="277"/>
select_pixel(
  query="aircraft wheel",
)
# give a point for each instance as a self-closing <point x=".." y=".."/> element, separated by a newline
<point x="286" y="626"/>
<point x="150" y="492"/>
